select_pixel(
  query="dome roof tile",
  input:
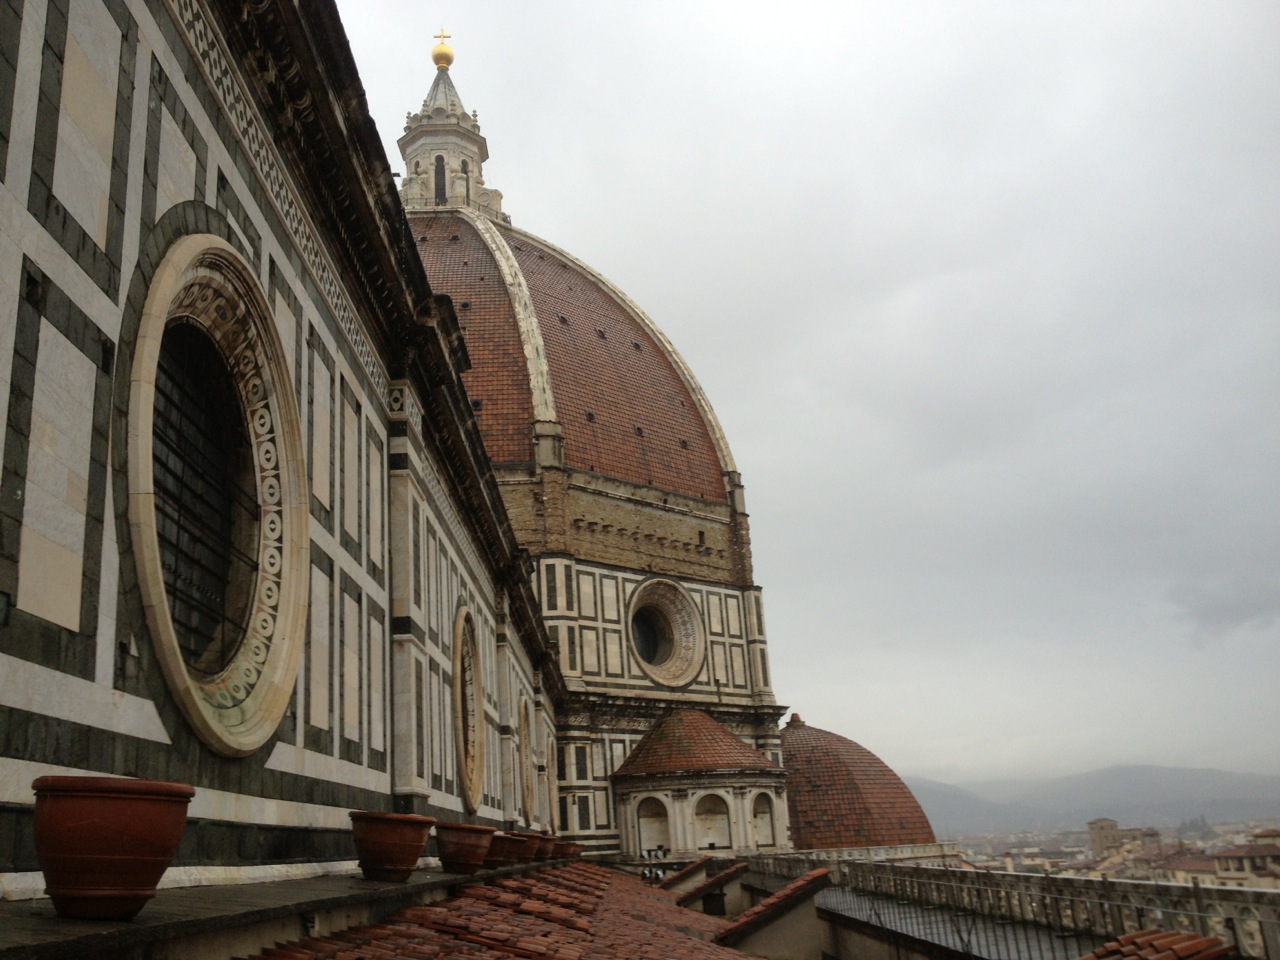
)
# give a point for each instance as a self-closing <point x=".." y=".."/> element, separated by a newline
<point x="459" y="261"/>
<point x="603" y="360"/>
<point x="624" y="408"/>
<point x="840" y="794"/>
<point x="689" y="741"/>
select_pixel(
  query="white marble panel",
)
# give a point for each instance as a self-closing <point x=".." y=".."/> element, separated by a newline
<point x="350" y="469"/>
<point x="587" y="595"/>
<point x="738" y="663"/>
<point x="29" y="686"/>
<point x="609" y="599"/>
<point x="318" y="663"/>
<point x="86" y="121"/>
<point x="715" y="614"/>
<point x="377" y="685"/>
<point x="57" y="481"/>
<point x="350" y="667"/>
<point x="291" y="758"/>
<point x="590" y="650"/>
<point x="377" y="478"/>
<point x="322" y="432"/>
<point x="176" y="174"/>
<point x="733" y="615"/>
<point x="108" y="595"/>
<point x="612" y="652"/>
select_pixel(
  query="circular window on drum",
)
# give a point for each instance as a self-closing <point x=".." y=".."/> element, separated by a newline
<point x="217" y="503"/>
<point x="666" y="632"/>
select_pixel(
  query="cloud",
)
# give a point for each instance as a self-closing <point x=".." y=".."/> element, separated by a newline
<point x="1217" y="610"/>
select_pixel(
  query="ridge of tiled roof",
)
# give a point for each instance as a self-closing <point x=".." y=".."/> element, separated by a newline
<point x="775" y="905"/>
<point x="712" y="883"/>
<point x="1191" y="862"/>
<point x="564" y="913"/>
<point x="672" y="879"/>
<point x="1250" y="850"/>
<point x="1157" y="944"/>
<point x="687" y="741"/>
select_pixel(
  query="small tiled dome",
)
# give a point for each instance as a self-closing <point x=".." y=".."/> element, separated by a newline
<point x="689" y="741"/>
<point x="841" y="794"/>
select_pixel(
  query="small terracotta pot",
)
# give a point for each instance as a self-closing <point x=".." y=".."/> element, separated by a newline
<point x="546" y="844"/>
<point x="389" y="845"/>
<point x="562" y="850"/>
<point x="529" y="850"/>
<point x="105" y="842"/>
<point x="463" y="846"/>
<point x="499" y="845"/>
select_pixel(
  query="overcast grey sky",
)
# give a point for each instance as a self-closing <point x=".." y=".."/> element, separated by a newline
<point x="987" y="298"/>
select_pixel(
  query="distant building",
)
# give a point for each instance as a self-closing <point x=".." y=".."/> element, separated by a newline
<point x="1185" y="868"/>
<point x="1105" y="835"/>
<point x="1255" y="864"/>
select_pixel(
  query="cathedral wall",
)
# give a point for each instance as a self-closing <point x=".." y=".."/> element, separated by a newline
<point x="138" y="183"/>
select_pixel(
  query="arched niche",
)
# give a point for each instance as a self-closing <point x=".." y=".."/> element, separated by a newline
<point x="711" y="822"/>
<point x="762" y="828"/>
<point x="652" y="824"/>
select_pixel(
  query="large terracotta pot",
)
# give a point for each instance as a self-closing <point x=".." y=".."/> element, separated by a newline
<point x="389" y="845"/>
<point x="462" y="846"/>
<point x="562" y="850"/>
<point x="105" y="842"/>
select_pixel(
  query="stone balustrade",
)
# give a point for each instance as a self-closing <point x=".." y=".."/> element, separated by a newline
<point x="1246" y="917"/>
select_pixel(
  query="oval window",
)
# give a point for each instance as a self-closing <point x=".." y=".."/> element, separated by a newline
<point x="217" y="494"/>
<point x="206" y="501"/>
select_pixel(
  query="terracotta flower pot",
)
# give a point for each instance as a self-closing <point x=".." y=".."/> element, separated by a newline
<point x="105" y="842"/>
<point x="462" y="846"/>
<point x="525" y="853"/>
<point x="546" y="844"/>
<point x="499" y="846"/>
<point x="389" y="844"/>
<point x="562" y="850"/>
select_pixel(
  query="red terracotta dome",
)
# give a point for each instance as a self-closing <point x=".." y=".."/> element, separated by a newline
<point x="551" y="340"/>
<point x="689" y="741"/>
<point x="840" y="794"/>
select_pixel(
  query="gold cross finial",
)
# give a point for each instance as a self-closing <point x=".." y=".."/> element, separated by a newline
<point x="442" y="54"/>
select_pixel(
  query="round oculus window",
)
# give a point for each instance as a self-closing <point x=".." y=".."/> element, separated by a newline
<point x="666" y="633"/>
<point x="651" y="634"/>
<point x="217" y="496"/>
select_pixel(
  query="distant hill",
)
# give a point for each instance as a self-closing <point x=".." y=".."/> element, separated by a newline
<point x="1133" y="795"/>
